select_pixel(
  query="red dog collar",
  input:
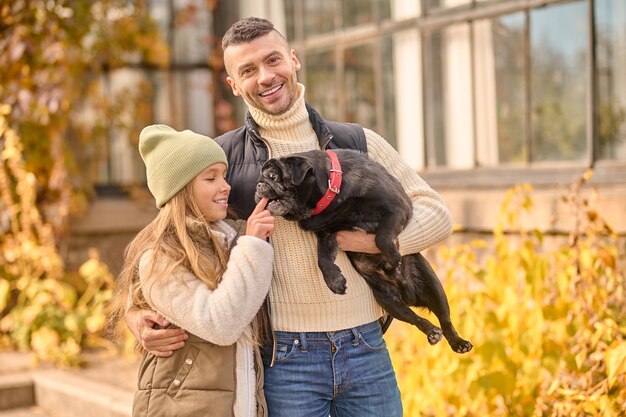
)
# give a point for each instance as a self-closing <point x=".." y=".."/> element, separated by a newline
<point x="334" y="184"/>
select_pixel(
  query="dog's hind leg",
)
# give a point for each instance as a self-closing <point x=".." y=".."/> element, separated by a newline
<point x="326" y="254"/>
<point x="393" y="304"/>
<point x="389" y="296"/>
<point x="432" y="296"/>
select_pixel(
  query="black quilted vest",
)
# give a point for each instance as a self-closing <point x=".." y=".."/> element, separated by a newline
<point x="247" y="152"/>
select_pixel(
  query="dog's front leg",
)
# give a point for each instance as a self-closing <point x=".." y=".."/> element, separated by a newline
<point x="326" y="254"/>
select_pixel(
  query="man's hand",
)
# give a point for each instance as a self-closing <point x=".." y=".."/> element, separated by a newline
<point x="357" y="241"/>
<point x="160" y="342"/>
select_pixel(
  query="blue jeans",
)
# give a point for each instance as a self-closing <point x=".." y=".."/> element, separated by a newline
<point x="347" y="373"/>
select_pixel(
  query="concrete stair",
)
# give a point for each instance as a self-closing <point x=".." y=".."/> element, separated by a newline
<point x="16" y="390"/>
<point x="104" y="388"/>
<point x="33" y="411"/>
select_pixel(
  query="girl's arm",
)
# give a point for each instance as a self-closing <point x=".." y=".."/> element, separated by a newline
<point x="220" y="315"/>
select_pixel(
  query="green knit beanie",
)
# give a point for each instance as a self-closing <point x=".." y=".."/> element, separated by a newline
<point x="174" y="158"/>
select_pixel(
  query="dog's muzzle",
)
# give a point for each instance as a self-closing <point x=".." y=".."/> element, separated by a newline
<point x="276" y="205"/>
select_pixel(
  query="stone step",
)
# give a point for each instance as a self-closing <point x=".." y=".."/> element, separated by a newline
<point x="16" y="390"/>
<point x="33" y="411"/>
<point x="67" y="394"/>
<point x="103" y="387"/>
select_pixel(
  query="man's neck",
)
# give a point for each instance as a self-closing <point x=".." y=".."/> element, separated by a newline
<point x="291" y="125"/>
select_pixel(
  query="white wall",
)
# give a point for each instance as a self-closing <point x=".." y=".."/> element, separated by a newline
<point x="485" y="98"/>
<point x="272" y="10"/>
<point x="408" y="98"/>
<point x="408" y="86"/>
<point x="458" y="97"/>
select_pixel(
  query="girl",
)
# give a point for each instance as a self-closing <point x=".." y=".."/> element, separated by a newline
<point x="179" y="265"/>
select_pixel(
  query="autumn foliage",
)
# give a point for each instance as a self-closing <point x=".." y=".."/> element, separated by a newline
<point x="548" y="323"/>
<point x="55" y="118"/>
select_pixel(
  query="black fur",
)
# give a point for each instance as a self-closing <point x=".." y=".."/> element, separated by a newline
<point x="371" y="200"/>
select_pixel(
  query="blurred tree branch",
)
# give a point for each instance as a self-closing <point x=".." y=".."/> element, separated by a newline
<point x="54" y="55"/>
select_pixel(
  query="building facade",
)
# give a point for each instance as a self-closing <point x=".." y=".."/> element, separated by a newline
<point x="476" y="95"/>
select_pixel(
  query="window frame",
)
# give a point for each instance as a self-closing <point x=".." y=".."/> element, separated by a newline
<point x="538" y="173"/>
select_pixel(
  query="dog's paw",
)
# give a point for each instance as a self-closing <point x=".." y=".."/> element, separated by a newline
<point x="392" y="264"/>
<point x="434" y="336"/>
<point x="462" y="346"/>
<point x="391" y="269"/>
<point x="338" y="286"/>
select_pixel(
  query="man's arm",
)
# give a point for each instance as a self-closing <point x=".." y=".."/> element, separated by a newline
<point x="430" y="222"/>
<point x="160" y="342"/>
<point x="357" y="241"/>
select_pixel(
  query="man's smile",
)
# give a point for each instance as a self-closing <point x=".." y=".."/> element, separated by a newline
<point x="271" y="91"/>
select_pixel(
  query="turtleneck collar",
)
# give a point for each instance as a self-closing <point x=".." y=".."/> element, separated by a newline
<point x="289" y="126"/>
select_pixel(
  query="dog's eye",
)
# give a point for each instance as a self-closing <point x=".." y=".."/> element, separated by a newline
<point x="272" y="176"/>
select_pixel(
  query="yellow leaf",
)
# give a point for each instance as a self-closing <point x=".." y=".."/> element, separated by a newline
<point x="615" y="360"/>
<point x="71" y="323"/>
<point x="70" y="347"/>
<point x="5" y="290"/>
<point x="88" y="268"/>
<point x="586" y="259"/>
<point x="553" y="386"/>
<point x="479" y="243"/>
<point x="44" y="341"/>
<point x="580" y="358"/>
<point x="95" y="323"/>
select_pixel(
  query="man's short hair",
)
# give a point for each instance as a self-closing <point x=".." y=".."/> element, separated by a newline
<point x="247" y="30"/>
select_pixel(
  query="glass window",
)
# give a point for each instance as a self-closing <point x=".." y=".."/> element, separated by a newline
<point x="384" y="9"/>
<point x="509" y="46"/>
<point x="448" y="89"/>
<point x="321" y="88"/>
<point x="500" y="90"/>
<point x="319" y="17"/>
<point x="559" y="82"/>
<point x="123" y="164"/>
<point x="403" y="9"/>
<point x="389" y="90"/>
<point x="160" y="13"/>
<point x="360" y="87"/>
<point x="198" y="101"/>
<point x="191" y="32"/>
<point x="290" y="20"/>
<point x="611" y="60"/>
<point x="357" y="12"/>
<point x="439" y="5"/>
<point x="483" y="90"/>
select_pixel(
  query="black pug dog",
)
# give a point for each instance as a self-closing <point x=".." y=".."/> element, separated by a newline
<point x="372" y="200"/>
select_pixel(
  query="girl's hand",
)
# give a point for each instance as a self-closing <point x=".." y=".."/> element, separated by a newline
<point x="261" y="222"/>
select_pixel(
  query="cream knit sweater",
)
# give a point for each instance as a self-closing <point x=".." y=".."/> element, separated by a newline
<point x="299" y="298"/>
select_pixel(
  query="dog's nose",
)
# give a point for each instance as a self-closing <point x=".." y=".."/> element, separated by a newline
<point x="258" y="185"/>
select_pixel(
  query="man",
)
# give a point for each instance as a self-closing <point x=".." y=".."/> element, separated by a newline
<point x="328" y="355"/>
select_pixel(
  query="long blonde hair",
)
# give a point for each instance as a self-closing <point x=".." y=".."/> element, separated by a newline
<point x="168" y="235"/>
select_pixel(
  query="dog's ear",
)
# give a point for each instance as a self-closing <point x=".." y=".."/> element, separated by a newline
<point x="300" y="168"/>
